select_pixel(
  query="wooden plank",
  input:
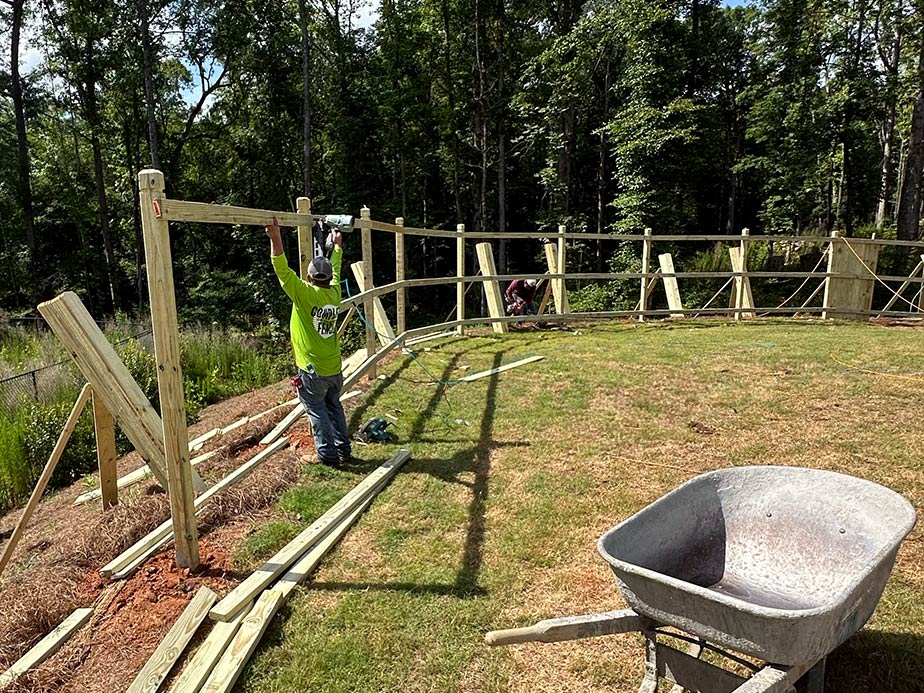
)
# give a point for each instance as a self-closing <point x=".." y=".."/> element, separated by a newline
<point x="196" y="443"/>
<point x="46" y="647"/>
<point x="741" y="293"/>
<point x="205" y="213"/>
<point x="305" y="239"/>
<point x="306" y="565"/>
<point x="155" y="670"/>
<point x="850" y="297"/>
<point x="491" y="289"/>
<point x="162" y="298"/>
<point x="228" y="607"/>
<point x="551" y="259"/>
<point x="670" y="284"/>
<point x="646" y="265"/>
<point x="500" y="369"/>
<point x="140" y="550"/>
<point x="460" y="274"/>
<point x="564" y="308"/>
<point x="346" y="321"/>
<point x="207" y="655"/>
<point x="284" y="425"/>
<point x="105" y="453"/>
<point x="110" y="379"/>
<point x="236" y="656"/>
<point x="135" y="477"/>
<point x="45" y="476"/>
<point x="380" y="317"/>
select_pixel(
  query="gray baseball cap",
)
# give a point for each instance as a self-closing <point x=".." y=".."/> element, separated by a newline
<point x="320" y="270"/>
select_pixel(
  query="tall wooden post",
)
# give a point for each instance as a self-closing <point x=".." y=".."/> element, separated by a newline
<point x="826" y="300"/>
<point x="491" y="287"/>
<point x="105" y="453"/>
<point x="305" y="240"/>
<point x="368" y="305"/>
<point x="169" y="372"/>
<point x="740" y="281"/>
<point x="563" y="289"/>
<point x="401" y="293"/>
<point x="460" y="272"/>
<point x="646" y="262"/>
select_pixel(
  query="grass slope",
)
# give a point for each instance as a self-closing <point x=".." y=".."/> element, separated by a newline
<point x="494" y="521"/>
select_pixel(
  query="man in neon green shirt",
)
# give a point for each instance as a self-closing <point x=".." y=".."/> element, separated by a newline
<point x="313" y="330"/>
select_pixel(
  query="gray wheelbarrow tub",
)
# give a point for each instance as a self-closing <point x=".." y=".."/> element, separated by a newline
<point x="781" y="563"/>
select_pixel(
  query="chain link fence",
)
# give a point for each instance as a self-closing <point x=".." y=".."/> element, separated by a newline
<point x="43" y="385"/>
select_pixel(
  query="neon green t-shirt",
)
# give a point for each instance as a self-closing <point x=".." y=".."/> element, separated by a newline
<point x="313" y="326"/>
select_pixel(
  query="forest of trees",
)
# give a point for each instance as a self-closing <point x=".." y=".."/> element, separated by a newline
<point x="788" y="116"/>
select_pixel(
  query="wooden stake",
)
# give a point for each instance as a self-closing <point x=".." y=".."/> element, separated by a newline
<point x="105" y="453"/>
<point x="49" y="469"/>
<point x="305" y="239"/>
<point x="346" y="321"/>
<point x="491" y="288"/>
<point x="400" y="293"/>
<point x="460" y="272"/>
<point x="169" y="371"/>
<point x="646" y="262"/>
<point x="551" y="259"/>
<point x="380" y="317"/>
<point x="563" y="288"/>
<point x="171" y="647"/>
<point x="46" y="647"/>
<point x="670" y="284"/>
<point x="228" y="607"/>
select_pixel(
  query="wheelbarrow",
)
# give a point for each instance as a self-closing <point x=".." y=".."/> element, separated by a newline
<point x="779" y="563"/>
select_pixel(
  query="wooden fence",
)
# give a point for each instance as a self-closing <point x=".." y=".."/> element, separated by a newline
<point x="848" y="283"/>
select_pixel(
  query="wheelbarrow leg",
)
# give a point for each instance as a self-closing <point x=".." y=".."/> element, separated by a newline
<point x="814" y="679"/>
<point x="650" y="682"/>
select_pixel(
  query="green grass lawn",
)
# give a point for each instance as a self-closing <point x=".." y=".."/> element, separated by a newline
<point x="493" y="523"/>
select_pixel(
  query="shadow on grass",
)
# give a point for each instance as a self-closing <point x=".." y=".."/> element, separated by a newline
<point x="875" y="660"/>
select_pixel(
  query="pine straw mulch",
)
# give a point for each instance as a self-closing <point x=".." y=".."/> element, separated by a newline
<point x="55" y="568"/>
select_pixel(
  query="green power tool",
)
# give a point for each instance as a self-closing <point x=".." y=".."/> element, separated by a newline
<point x="375" y="431"/>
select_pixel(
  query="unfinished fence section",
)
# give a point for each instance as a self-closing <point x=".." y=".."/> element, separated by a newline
<point x="848" y="281"/>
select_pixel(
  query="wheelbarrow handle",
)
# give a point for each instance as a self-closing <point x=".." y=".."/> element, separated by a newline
<point x="571" y="628"/>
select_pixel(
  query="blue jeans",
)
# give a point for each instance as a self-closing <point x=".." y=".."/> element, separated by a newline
<point x="320" y="395"/>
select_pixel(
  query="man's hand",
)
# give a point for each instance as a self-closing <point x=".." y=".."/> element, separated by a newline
<point x="275" y="237"/>
<point x="337" y="238"/>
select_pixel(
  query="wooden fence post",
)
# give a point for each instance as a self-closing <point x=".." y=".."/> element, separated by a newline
<point x="563" y="289"/>
<point x="740" y="281"/>
<point x="491" y="287"/>
<point x="105" y="453"/>
<point x="368" y="304"/>
<point x="305" y="240"/>
<point x="646" y="262"/>
<point x="826" y="300"/>
<point x="169" y="371"/>
<point x="401" y="292"/>
<point x="460" y="272"/>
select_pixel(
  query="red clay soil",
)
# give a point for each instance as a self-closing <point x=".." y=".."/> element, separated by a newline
<point x="55" y="568"/>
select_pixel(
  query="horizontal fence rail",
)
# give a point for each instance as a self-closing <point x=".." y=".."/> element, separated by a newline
<point x="367" y="300"/>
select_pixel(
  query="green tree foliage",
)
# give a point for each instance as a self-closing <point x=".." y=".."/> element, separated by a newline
<point x="685" y="116"/>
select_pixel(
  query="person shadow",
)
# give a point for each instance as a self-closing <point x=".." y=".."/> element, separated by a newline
<point x="877" y="660"/>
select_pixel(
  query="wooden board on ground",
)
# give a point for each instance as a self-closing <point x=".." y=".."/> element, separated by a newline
<point x="123" y="564"/>
<point x="244" y="643"/>
<point x="46" y="647"/>
<point x="171" y="647"/>
<point x="500" y="369"/>
<point x="196" y="673"/>
<point x="229" y="607"/>
<point x="670" y="284"/>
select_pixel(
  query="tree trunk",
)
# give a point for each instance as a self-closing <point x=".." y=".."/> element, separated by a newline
<point x="148" y="59"/>
<point x="891" y="63"/>
<point x="501" y="141"/>
<point x="909" y="206"/>
<point x="601" y="165"/>
<point x="306" y="97"/>
<point x="25" y="182"/>
<point x="481" y="122"/>
<point x="451" y="95"/>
